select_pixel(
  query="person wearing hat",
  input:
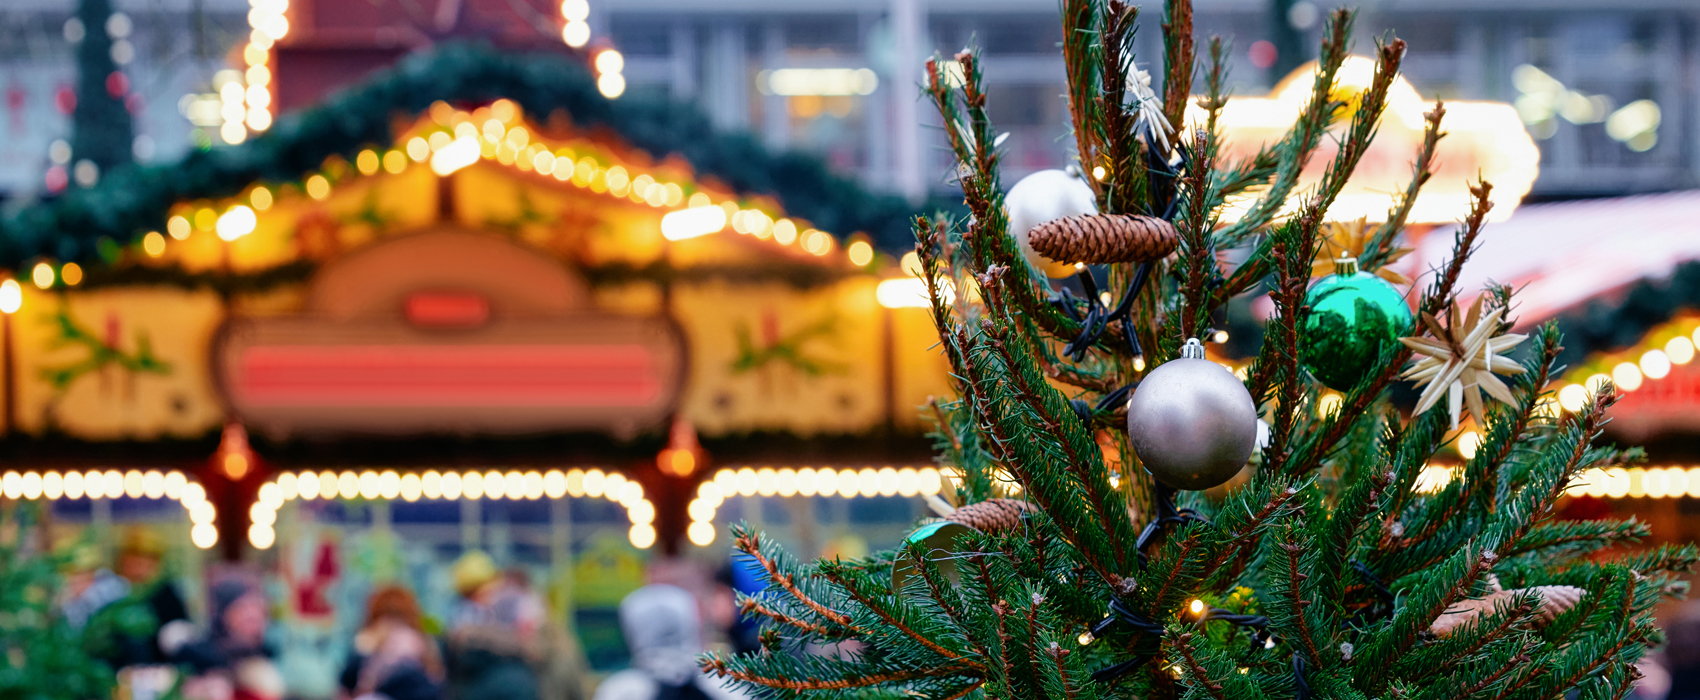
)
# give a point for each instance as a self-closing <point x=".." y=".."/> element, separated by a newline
<point x="492" y="639"/>
<point x="89" y="586"/>
<point x="663" y="628"/>
<point x="140" y="562"/>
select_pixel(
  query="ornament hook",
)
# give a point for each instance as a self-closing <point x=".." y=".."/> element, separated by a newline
<point x="1193" y="349"/>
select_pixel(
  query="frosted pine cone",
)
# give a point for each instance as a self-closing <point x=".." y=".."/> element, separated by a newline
<point x="1557" y="600"/>
<point x="1104" y="238"/>
<point x="991" y="515"/>
<point x="1554" y="601"/>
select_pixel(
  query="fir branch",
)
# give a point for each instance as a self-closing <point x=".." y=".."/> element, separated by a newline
<point x="892" y="618"/>
<point x="987" y="238"/>
<point x="1084" y="460"/>
<point x="1293" y="151"/>
<point x="1197" y="260"/>
<point x="1245" y="536"/>
<point x="1200" y="675"/>
<point x="1178" y="55"/>
<point x="1292" y="551"/>
<point x="1082" y="49"/>
<point x="1476" y="635"/>
<point x="717" y="664"/>
<point x="1059" y="658"/>
<point x="1215" y="86"/>
<point x="1443" y="290"/>
<point x="1351" y="517"/>
<point x="748" y="605"/>
<point x="1516" y="662"/>
<point x="1593" y="659"/>
<point x="1422" y="168"/>
<point x="1579" y="536"/>
<point x="1074" y="375"/>
<point x="749" y="544"/>
<point x="1481" y="475"/>
<point x="1169" y="577"/>
<point x="1365" y="122"/>
<point x="971" y="687"/>
<point x="1122" y="151"/>
<point x="1450" y="583"/>
<point x="989" y="587"/>
<point x="1291" y="257"/>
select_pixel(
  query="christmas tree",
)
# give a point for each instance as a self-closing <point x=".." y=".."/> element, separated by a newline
<point x="1095" y="550"/>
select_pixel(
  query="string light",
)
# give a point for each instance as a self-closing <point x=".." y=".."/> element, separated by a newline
<point x="152" y="484"/>
<point x="43" y="275"/>
<point x="485" y="133"/>
<point x="267" y="25"/>
<point x="513" y="485"/>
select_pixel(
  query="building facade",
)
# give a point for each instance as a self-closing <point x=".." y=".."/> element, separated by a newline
<point x="1609" y="89"/>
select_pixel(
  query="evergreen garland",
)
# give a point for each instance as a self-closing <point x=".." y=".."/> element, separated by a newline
<point x="132" y="200"/>
<point x="1606" y="324"/>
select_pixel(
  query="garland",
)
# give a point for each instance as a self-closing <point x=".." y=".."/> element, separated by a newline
<point x="135" y="199"/>
<point x="1609" y="324"/>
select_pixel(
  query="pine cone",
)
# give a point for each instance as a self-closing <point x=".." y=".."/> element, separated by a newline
<point x="992" y="515"/>
<point x="1557" y="600"/>
<point x="1104" y="238"/>
<point x="1554" y="601"/>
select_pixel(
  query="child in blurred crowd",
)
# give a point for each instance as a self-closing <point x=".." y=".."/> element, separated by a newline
<point x="392" y="657"/>
<point x="492" y="641"/>
<point x="664" y="631"/>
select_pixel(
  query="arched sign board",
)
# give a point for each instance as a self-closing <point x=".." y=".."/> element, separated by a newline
<point x="448" y="330"/>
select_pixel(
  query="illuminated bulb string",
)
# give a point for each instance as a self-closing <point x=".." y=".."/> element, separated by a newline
<point x="111" y="483"/>
<point x="434" y="485"/>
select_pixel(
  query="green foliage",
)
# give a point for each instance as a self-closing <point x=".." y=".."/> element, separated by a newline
<point x="41" y="656"/>
<point x="100" y="355"/>
<point x="1319" y="577"/>
<point x="132" y="200"/>
<point x="787" y="350"/>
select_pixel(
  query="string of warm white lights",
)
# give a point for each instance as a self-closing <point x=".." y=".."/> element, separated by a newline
<point x="449" y="485"/>
<point x="866" y="482"/>
<point x="576" y="32"/>
<point x="455" y="139"/>
<point x="247" y="104"/>
<point x="1672" y="344"/>
<point x="93" y="484"/>
<point x="1614" y="482"/>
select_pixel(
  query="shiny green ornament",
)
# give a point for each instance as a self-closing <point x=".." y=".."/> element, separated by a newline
<point x="1354" y="318"/>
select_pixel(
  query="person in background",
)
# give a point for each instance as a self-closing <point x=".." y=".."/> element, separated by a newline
<point x="233" y="659"/>
<point x="140" y="563"/>
<point x="664" y="632"/>
<point x="89" y="587"/>
<point x="1682" y="653"/>
<point x="392" y="656"/>
<point x="492" y="639"/>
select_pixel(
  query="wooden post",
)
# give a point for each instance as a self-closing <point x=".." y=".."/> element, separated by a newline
<point x="888" y="366"/>
<point x="9" y="375"/>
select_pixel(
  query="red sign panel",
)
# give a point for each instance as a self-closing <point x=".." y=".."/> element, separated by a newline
<point x="457" y="375"/>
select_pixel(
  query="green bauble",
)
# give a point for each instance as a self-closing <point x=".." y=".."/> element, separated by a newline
<point x="1354" y="318"/>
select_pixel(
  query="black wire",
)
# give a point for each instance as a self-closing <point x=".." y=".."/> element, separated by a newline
<point x="1301" y="687"/>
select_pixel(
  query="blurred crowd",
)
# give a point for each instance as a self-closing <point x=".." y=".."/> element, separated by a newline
<point x="499" y="643"/>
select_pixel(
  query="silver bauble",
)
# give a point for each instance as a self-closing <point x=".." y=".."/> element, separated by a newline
<point x="1044" y="196"/>
<point x="1192" y="422"/>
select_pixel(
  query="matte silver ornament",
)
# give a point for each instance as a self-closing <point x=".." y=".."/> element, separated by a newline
<point x="1192" y="422"/>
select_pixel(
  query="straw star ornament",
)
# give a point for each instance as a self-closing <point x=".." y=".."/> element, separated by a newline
<point x="1462" y="361"/>
<point x="1349" y="239"/>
